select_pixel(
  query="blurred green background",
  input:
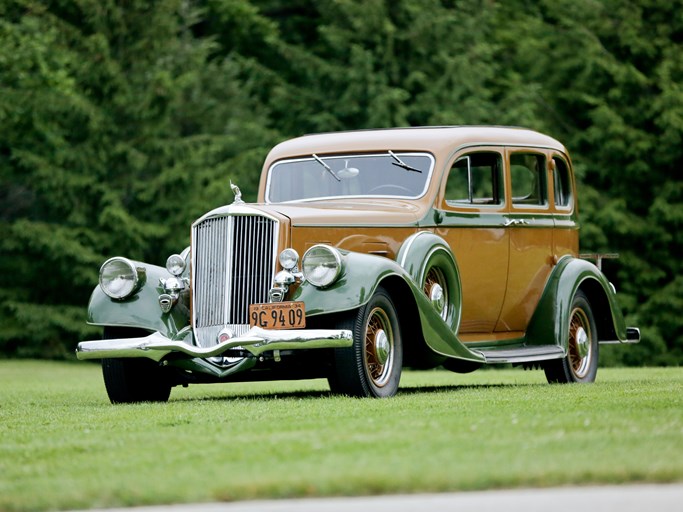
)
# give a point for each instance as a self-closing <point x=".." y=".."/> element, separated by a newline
<point x="121" y="122"/>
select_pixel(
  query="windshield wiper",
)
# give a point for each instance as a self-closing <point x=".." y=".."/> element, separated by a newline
<point x="329" y="169"/>
<point x="401" y="163"/>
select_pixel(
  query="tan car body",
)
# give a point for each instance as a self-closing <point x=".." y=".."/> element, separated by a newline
<point x="497" y="304"/>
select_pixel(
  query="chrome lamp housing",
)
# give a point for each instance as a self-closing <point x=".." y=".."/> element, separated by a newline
<point x="120" y="278"/>
<point x="322" y="265"/>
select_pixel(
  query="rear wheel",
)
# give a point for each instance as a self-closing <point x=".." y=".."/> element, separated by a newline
<point x="437" y="290"/>
<point x="581" y="362"/>
<point x="133" y="380"/>
<point x="440" y="283"/>
<point x="371" y="367"/>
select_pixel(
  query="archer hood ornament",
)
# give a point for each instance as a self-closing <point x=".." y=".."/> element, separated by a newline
<point x="237" y="192"/>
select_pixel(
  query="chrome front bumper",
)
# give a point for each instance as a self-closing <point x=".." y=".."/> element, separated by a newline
<point x="156" y="346"/>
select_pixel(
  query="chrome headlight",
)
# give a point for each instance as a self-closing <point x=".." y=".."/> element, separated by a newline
<point x="175" y="264"/>
<point x="119" y="278"/>
<point x="289" y="259"/>
<point x="322" y="265"/>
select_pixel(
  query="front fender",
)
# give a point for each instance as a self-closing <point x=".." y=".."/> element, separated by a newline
<point x="551" y="319"/>
<point x="141" y="310"/>
<point x="361" y="276"/>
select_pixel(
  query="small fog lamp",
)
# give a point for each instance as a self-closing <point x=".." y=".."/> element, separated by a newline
<point x="175" y="264"/>
<point x="289" y="259"/>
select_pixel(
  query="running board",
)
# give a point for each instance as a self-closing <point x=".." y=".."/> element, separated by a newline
<point x="522" y="354"/>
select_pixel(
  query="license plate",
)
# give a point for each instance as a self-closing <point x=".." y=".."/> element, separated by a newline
<point x="278" y="315"/>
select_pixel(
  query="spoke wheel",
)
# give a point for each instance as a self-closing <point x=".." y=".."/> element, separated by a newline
<point x="581" y="362"/>
<point x="440" y="283"/>
<point x="371" y="367"/>
<point x="579" y="348"/>
<point x="436" y="289"/>
<point x="379" y="347"/>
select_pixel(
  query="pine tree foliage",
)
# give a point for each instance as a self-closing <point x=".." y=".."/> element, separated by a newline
<point x="121" y="122"/>
<point x="112" y="128"/>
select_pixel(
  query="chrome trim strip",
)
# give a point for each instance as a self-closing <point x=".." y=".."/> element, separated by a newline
<point x="232" y="209"/>
<point x="525" y="354"/>
<point x="156" y="346"/>
<point x="409" y="243"/>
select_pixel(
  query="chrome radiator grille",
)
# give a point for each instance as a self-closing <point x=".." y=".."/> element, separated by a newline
<point x="233" y="263"/>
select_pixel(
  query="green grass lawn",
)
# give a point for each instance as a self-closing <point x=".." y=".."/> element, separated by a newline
<point x="63" y="446"/>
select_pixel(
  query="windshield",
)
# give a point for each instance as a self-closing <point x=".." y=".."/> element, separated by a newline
<point x="388" y="174"/>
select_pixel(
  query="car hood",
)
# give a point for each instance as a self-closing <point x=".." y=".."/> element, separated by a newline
<point x="348" y="212"/>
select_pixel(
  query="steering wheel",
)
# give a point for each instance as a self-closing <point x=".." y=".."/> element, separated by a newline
<point x="391" y="190"/>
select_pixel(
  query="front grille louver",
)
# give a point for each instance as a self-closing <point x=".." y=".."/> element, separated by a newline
<point x="233" y="266"/>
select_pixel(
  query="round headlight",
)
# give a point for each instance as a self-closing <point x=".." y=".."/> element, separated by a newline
<point x="321" y="265"/>
<point x="118" y="278"/>
<point x="175" y="264"/>
<point x="289" y="259"/>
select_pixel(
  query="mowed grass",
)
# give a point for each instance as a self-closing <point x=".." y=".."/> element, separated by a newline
<point x="63" y="446"/>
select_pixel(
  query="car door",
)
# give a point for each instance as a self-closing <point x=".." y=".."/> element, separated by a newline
<point x="566" y="234"/>
<point x="472" y="213"/>
<point x="530" y="226"/>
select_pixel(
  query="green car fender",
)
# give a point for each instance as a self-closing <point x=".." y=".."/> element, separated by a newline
<point x="551" y="319"/>
<point x="140" y="310"/>
<point x="419" y="254"/>
<point x="362" y="274"/>
<point x="424" y="251"/>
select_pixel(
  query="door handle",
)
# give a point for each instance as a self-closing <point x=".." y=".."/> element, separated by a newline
<point x="515" y="222"/>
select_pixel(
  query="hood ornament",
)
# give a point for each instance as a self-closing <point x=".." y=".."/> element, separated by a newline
<point x="237" y="192"/>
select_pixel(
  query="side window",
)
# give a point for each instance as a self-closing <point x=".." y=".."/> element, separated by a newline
<point x="528" y="179"/>
<point x="476" y="179"/>
<point x="561" y="183"/>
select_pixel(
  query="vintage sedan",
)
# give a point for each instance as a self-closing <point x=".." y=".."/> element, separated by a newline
<point x="367" y="252"/>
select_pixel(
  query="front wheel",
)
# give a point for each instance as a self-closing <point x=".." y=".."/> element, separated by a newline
<point x="371" y="367"/>
<point x="581" y="362"/>
<point x="133" y="380"/>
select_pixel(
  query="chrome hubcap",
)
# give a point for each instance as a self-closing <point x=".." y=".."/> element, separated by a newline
<point x="437" y="298"/>
<point x="382" y="347"/>
<point x="582" y="341"/>
<point x="435" y="290"/>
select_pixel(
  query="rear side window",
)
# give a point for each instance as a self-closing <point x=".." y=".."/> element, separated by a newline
<point x="476" y="179"/>
<point x="528" y="179"/>
<point x="561" y="183"/>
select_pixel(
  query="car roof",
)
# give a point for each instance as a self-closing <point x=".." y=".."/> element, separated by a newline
<point x="434" y="139"/>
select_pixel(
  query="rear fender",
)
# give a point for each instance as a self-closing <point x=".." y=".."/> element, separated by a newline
<point x="551" y="318"/>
